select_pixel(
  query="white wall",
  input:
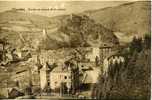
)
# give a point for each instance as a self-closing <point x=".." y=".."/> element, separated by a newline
<point x="92" y="55"/>
<point x="118" y="59"/>
<point x="105" y="66"/>
<point x="22" y="78"/>
<point x="43" y="78"/>
<point x="56" y="78"/>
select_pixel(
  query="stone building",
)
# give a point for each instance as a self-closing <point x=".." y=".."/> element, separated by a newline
<point x="54" y="76"/>
<point x="89" y="78"/>
<point x="100" y="53"/>
<point x="2" y="53"/>
<point x="61" y="75"/>
<point x="93" y="53"/>
<point x="44" y="76"/>
<point x="113" y="59"/>
<point x="25" y="74"/>
<point x="106" y="51"/>
<point x="22" y="76"/>
<point x="6" y="88"/>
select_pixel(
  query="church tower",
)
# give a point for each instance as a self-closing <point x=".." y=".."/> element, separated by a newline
<point x="44" y="76"/>
<point x="44" y="35"/>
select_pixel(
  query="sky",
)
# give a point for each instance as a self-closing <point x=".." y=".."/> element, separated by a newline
<point x="66" y="6"/>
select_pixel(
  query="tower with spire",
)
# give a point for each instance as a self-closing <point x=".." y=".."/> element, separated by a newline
<point x="44" y="76"/>
<point x="44" y="34"/>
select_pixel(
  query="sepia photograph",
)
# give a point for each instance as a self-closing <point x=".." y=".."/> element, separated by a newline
<point x="64" y="49"/>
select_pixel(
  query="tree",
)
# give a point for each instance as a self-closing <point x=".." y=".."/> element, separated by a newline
<point x="4" y="42"/>
<point x="147" y="41"/>
<point x="97" y="60"/>
<point x="131" y="82"/>
<point x="85" y="32"/>
<point x="136" y="45"/>
<point x="82" y="52"/>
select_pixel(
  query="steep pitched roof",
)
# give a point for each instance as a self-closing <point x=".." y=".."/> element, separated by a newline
<point x="60" y="69"/>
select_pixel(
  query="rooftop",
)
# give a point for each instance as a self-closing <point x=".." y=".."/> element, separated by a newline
<point x="17" y="66"/>
<point x="92" y="75"/>
<point x="60" y="69"/>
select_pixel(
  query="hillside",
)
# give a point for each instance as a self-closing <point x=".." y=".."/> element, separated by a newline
<point x="26" y="19"/>
<point x="78" y="30"/>
<point x="129" y="19"/>
<point x="22" y="29"/>
<point x="28" y="29"/>
<point x="103" y="26"/>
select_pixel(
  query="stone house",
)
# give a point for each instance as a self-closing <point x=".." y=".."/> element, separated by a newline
<point x="21" y="77"/>
<point x="93" y="52"/>
<point x="113" y="59"/>
<point x="61" y="75"/>
<point x="22" y="74"/>
<point x="54" y="76"/>
<point x="44" y="76"/>
<point x="99" y="53"/>
<point x="6" y="88"/>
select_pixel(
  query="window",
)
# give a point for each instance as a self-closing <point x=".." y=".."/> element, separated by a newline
<point x="65" y="77"/>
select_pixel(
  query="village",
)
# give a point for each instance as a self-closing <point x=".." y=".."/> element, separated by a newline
<point x="75" y="50"/>
<point x="70" y="72"/>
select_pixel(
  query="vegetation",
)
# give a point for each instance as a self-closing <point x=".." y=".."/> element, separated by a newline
<point x="130" y="80"/>
<point x="3" y="42"/>
<point x="136" y="45"/>
<point x="84" y="31"/>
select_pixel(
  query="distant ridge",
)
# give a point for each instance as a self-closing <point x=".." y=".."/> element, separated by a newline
<point x="132" y="18"/>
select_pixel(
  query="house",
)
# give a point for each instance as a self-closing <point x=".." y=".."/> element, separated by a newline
<point x="84" y="66"/>
<point x="1" y="51"/>
<point x="21" y="74"/>
<point x="35" y="79"/>
<point x="17" y="52"/>
<point x="9" y="56"/>
<point x="25" y="75"/>
<point x="6" y="87"/>
<point x="61" y="75"/>
<point x="89" y="78"/>
<point x="22" y="78"/>
<point x="55" y="76"/>
<point x="44" y="76"/>
<point x="113" y="59"/>
<point x="93" y="53"/>
<point x="105" y="51"/>
<point x="98" y="54"/>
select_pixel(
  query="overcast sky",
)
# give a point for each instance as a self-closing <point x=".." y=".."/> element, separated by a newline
<point x="69" y="6"/>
